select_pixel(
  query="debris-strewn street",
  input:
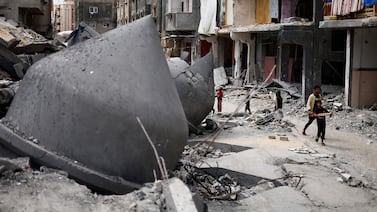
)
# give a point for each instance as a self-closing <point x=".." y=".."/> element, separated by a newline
<point x="275" y="168"/>
<point x="188" y="106"/>
<point x="249" y="168"/>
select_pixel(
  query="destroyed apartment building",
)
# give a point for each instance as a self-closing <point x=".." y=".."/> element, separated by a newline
<point x="306" y="43"/>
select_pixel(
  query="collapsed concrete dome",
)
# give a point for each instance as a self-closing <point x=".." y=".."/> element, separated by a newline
<point x="81" y="105"/>
<point x="195" y="86"/>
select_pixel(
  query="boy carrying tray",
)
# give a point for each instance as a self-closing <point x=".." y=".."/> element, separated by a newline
<point x="320" y="114"/>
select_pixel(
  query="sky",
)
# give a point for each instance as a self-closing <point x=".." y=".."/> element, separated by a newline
<point x="58" y="1"/>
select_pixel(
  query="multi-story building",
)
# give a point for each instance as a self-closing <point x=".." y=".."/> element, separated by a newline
<point x="131" y="10"/>
<point x="34" y="14"/>
<point x="176" y="20"/>
<point x="251" y="38"/>
<point x="254" y="37"/>
<point x="64" y="16"/>
<point x="350" y="35"/>
<point x="98" y="14"/>
<point x="123" y="13"/>
<point x="179" y="23"/>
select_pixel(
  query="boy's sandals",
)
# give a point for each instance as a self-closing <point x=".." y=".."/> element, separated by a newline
<point x="316" y="140"/>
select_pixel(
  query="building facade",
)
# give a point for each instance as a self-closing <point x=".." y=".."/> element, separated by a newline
<point x="176" y="20"/>
<point x="298" y="43"/>
<point x="268" y="36"/>
<point x="33" y="14"/>
<point x="101" y="15"/>
<point x="64" y="16"/>
<point x="352" y="38"/>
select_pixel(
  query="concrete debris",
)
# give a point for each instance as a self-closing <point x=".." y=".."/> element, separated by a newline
<point x="338" y="170"/>
<point x="346" y="177"/>
<point x="20" y="40"/>
<point x="81" y="33"/>
<point x="211" y="187"/>
<point x="210" y="125"/>
<point x="285" y="87"/>
<point x="195" y="153"/>
<point x="302" y="150"/>
<point x="337" y="106"/>
<point x="13" y="165"/>
<point x="373" y="107"/>
<point x="284" y="138"/>
<point x="220" y="77"/>
<point x="64" y="130"/>
<point x="178" y="197"/>
<point x="355" y="183"/>
<point x="267" y="119"/>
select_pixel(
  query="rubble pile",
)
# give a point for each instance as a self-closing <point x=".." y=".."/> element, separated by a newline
<point x="20" y="184"/>
<point x="211" y="187"/>
<point x="19" y="49"/>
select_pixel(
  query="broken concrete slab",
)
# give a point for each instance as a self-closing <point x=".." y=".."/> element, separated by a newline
<point x="220" y="77"/>
<point x="320" y="187"/>
<point x="282" y="198"/>
<point x="81" y="33"/>
<point x="178" y="197"/>
<point x="252" y="162"/>
<point x="85" y="122"/>
<point x="10" y="63"/>
<point x="195" y="87"/>
<point x="20" y="40"/>
<point x="284" y="86"/>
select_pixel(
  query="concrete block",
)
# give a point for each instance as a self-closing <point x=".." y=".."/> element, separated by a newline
<point x="178" y="197"/>
<point x="283" y="138"/>
<point x="220" y="76"/>
<point x="346" y="177"/>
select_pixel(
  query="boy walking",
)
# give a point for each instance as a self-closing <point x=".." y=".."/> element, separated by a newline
<point x="313" y="98"/>
<point x="320" y="114"/>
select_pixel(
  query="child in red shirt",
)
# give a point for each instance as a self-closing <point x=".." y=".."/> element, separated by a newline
<point x="219" y="96"/>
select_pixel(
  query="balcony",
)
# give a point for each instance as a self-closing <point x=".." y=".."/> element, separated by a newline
<point x="180" y="22"/>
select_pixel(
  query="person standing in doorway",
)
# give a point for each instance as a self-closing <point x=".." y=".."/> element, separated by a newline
<point x="313" y="98"/>
<point x="219" y="96"/>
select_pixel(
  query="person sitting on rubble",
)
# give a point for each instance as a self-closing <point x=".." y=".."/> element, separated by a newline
<point x="219" y="96"/>
<point x="320" y="114"/>
<point x="314" y="97"/>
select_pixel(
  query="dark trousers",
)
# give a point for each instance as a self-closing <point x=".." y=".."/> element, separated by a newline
<point x="321" y="124"/>
<point x="311" y="119"/>
<point x="219" y="104"/>
<point x="247" y="107"/>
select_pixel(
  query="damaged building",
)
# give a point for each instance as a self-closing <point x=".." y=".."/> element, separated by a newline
<point x="101" y="15"/>
<point x="33" y="14"/>
<point x="351" y="41"/>
<point x="177" y="21"/>
<point x="252" y="38"/>
<point x="63" y="17"/>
